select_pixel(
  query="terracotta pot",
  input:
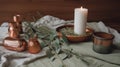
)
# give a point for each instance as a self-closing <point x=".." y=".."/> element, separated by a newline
<point x="34" y="46"/>
<point x="72" y="38"/>
<point x="102" y="42"/>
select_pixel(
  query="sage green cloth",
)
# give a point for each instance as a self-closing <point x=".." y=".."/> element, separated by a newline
<point x="91" y="58"/>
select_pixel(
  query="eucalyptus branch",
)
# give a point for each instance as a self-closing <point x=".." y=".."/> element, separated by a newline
<point x="56" y="54"/>
<point x="34" y="18"/>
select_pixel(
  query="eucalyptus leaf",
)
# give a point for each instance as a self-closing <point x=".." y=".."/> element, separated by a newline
<point x="42" y="44"/>
<point x="49" y="53"/>
<point x="64" y="38"/>
<point x="53" y="37"/>
<point x="58" y="51"/>
<point x="53" y="58"/>
<point x="25" y="36"/>
<point x="63" y="56"/>
<point x="56" y="44"/>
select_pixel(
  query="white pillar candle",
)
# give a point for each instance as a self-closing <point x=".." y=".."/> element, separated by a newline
<point x="80" y="19"/>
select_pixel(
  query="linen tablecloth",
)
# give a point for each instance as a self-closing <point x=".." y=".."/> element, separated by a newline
<point x="25" y="59"/>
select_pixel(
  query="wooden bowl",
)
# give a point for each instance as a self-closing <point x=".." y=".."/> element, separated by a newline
<point x="73" y="38"/>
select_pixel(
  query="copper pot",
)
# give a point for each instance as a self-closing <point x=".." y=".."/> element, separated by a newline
<point x="17" y="19"/>
<point x="13" y="31"/>
<point x="15" y="44"/>
<point x="102" y="42"/>
<point x="34" y="46"/>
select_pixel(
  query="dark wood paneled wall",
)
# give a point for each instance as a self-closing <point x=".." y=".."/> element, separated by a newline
<point x="99" y="10"/>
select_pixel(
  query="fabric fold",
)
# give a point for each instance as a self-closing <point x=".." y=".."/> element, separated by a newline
<point x="24" y="59"/>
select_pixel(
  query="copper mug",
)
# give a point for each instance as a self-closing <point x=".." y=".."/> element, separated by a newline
<point x="102" y="42"/>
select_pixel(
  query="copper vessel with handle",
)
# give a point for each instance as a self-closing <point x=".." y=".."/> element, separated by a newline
<point x="17" y="19"/>
<point x="13" y="30"/>
<point x="34" y="46"/>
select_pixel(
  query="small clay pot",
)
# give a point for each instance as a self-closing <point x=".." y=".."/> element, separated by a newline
<point x="102" y="42"/>
<point x="34" y="46"/>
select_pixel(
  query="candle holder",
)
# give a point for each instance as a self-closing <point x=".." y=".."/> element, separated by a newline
<point x="73" y="37"/>
<point x="102" y="42"/>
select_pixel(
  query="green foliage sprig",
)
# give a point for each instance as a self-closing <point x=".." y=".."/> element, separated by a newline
<point x="29" y="31"/>
<point x="49" y="38"/>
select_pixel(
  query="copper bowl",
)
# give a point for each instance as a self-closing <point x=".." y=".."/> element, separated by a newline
<point x="102" y="42"/>
<point x="73" y="38"/>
